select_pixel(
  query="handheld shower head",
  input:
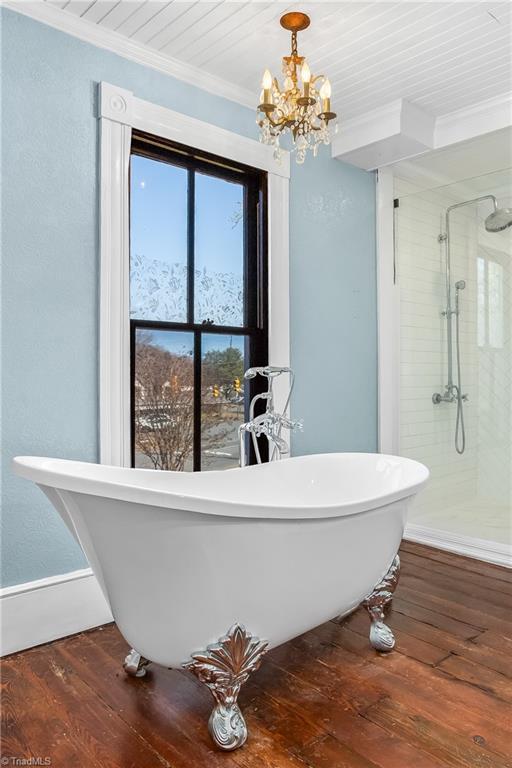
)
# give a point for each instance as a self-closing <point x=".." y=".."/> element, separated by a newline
<point x="460" y="285"/>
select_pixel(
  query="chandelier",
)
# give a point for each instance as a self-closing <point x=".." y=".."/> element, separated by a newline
<point x="303" y="109"/>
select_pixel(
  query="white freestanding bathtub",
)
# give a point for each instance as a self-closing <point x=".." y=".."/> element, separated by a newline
<point x="266" y="551"/>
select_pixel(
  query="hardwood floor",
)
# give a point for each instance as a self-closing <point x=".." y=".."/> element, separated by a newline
<point x="324" y="700"/>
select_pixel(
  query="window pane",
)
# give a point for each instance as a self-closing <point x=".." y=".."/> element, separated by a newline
<point x="164" y="399"/>
<point x="222" y="399"/>
<point x="219" y="251"/>
<point x="158" y="240"/>
<point x="481" y="301"/>
<point x="495" y="304"/>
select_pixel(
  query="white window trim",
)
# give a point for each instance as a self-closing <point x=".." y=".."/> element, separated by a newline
<point x="120" y="112"/>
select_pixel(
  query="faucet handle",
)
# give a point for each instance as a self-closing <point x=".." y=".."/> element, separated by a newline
<point x="289" y="424"/>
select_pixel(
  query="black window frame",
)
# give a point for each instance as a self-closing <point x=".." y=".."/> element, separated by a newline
<point x="255" y="323"/>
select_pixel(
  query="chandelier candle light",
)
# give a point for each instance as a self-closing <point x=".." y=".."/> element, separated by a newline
<point x="303" y="112"/>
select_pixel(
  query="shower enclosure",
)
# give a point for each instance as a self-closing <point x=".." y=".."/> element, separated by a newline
<point x="453" y="259"/>
<point x="497" y="221"/>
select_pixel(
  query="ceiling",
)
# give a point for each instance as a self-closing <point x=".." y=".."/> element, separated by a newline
<point x="442" y="56"/>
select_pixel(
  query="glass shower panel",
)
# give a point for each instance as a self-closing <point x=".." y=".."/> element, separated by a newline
<point x="455" y="354"/>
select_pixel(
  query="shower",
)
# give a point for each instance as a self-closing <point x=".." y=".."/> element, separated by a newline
<point x="497" y="221"/>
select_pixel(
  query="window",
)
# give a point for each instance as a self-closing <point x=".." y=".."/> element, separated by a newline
<point x="490" y="303"/>
<point x="198" y="303"/>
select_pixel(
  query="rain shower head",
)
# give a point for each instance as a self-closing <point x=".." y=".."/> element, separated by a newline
<point x="498" y="220"/>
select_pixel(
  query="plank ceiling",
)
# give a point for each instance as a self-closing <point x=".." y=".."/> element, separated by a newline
<point x="442" y="56"/>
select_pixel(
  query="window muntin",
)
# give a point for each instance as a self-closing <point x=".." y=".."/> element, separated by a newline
<point x="219" y="327"/>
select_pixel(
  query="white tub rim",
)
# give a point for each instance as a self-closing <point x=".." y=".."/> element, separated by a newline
<point x="203" y="493"/>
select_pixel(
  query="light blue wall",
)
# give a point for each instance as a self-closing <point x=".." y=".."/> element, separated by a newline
<point x="50" y="276"/>
<point x="333" y="306"/>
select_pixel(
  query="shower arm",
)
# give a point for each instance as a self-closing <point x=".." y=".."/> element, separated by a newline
<point x="446" y="236"/>
<point x="472" y="202"/>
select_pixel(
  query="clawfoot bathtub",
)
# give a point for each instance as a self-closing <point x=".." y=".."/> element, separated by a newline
<point x="209" y="570"/>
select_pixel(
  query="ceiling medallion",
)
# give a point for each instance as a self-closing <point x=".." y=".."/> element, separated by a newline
<point x="301" y="109"/>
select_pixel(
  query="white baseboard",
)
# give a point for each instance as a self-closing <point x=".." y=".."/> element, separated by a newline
<point x="481" y="549"/>
<point x="44" y="610"/>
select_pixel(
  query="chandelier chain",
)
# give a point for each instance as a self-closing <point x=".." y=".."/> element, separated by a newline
<point x="294" y="44"/>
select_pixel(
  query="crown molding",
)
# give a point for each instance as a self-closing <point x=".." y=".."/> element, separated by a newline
<point x="483" y="117"/>
<point x="401" y="130"/>
<point x="129" y="49"/>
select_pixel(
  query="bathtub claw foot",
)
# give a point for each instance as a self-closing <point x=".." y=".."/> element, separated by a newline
<point x="224" y="667"/>
<point x="227" y="727"/>
<point x="135" y="664"/>
<point x="377" y="604"/>
<point x="381" y="636"/>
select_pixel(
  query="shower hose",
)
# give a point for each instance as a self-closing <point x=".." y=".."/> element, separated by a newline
<point x="460" y="430"/>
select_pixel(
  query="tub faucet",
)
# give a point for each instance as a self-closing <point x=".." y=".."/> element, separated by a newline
<point x="270" y="423"/>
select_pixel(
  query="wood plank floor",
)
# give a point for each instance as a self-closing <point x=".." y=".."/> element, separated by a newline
<point x="324" y="700"/>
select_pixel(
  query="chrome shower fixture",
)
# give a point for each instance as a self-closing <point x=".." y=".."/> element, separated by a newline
<point x="453" y="391"/>
<point x="270" y="423"/>
<point x="499" y="219"/>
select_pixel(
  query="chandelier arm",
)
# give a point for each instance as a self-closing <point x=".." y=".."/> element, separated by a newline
<point x="277" y="124"/>
<point x="273" y="123"/>
<point x="281" y="120"/>
<point x="313" y="126"/>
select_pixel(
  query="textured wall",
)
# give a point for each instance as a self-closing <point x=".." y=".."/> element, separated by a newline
<point x="333" y="306"/>
<point x="50" y="276"/>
